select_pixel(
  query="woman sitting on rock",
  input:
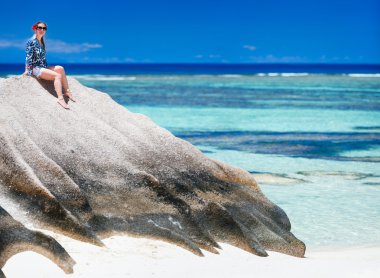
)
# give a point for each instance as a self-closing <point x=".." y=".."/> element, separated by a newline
<point x="36" y="64"/>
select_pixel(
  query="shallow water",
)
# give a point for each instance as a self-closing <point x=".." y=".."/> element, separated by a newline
<point x="312" y="140"/>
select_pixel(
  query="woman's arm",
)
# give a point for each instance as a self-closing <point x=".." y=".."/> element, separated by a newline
<point x="29" y="58"/>
<point x="26" y="71"/>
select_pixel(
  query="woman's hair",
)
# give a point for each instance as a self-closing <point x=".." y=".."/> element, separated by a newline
<point x="34" y="27"/>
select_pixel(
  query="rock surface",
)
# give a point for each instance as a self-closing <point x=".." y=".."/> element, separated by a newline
<point x="97" y="170"/>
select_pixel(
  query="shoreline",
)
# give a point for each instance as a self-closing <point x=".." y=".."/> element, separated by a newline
<point x="228" y="69"/>
<point x="126" y="256"/>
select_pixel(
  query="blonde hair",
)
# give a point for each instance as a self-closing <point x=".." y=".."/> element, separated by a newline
<point x="35" y="26"/>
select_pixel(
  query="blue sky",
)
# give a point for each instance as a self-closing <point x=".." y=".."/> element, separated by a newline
<point x="196" y="31"/>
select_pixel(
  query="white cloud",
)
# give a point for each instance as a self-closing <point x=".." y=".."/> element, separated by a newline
<point x="4" y="44"/>
<point x="337" y="59"/>
<point x="57" y="46"/>
<point x="129" y="60"/>
<point x="214" y="56"/>
<point x="270" y="58"/>
<point x="249" y="47"/>
<point x="207" y="56"/>
<point x="12" y="43"/>
<point x="102" y="60"/>
<point x="52" y="45"/>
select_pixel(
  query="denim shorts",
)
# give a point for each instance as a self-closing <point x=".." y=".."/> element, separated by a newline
<point x="37" y="71"/>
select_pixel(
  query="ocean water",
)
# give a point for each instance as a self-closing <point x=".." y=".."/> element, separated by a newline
<point x="311" y="135"/>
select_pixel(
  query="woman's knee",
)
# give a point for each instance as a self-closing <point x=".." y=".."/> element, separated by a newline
<point x="59" y="69"/>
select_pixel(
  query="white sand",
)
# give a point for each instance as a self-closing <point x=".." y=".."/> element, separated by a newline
<point x="137" y="257"/>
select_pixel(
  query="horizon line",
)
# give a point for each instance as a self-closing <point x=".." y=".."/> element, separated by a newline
<point x="196" y="63"/>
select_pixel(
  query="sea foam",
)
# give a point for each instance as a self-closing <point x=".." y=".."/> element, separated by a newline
<point x="364" y="74"/>
<point x="100" y="77"/>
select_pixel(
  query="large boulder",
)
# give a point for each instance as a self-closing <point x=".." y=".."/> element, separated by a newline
<point x="98" y="169"/>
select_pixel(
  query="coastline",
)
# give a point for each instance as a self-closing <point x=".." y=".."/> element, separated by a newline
<point x="126" y="256"/>
<point x="228" y="69"/>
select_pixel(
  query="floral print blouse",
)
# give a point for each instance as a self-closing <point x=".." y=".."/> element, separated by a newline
<point x="35" y="55"/>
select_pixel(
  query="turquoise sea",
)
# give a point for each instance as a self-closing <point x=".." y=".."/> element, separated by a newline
<point x="311" y="139"/>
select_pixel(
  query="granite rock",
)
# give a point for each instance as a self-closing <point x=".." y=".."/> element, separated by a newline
<point x="98" y="169"/>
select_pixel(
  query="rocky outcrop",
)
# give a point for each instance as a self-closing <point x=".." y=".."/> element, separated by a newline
<point x="98" y="169"/>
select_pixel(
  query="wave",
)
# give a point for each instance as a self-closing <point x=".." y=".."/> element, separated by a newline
<point x="100" y="77"/>
<point x="284" y="74"/>
<point x="13" y="75"/>
<point x="364" y="74"/>
<point x="291" y="74"/>
<point x="297" y="74"/>
<point x="118" y="77"/>
<point x="231" y="75"/>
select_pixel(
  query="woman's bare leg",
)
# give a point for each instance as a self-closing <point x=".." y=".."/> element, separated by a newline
<point x="65" y="84"/>
<point x="61" y="71"/>
<point x="48" y="74"/>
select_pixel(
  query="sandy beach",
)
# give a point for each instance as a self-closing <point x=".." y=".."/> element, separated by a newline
<point x="126" y="256"/>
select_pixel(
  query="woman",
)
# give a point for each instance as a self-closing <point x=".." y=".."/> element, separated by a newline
<point x="36" y="64"/>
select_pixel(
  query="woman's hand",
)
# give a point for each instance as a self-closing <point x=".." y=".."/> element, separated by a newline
<point x="25" y="73"/>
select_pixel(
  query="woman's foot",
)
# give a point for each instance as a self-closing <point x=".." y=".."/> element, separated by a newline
<point x="62" y="102"/>
<point x="69" y="94"/>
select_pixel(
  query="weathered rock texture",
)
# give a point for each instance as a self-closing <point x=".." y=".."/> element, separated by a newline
<point x="98" y="169"/>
